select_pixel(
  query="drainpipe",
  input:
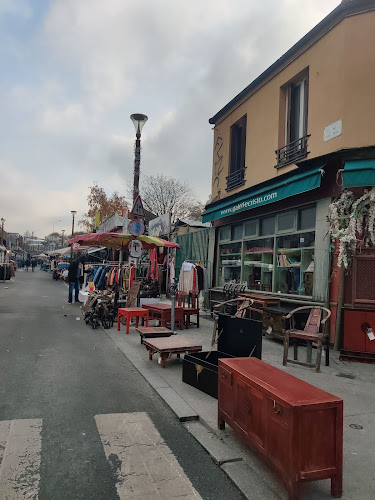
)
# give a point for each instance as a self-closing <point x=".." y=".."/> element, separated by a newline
<point x="340" y="303"/>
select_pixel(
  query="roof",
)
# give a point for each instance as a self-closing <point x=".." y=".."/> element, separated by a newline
<point x="192" y="223"/>
<point x="345" y="9"/>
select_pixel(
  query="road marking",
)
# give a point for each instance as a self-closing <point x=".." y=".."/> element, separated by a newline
<point x="144" y="465"/>
<point x="20" y="448"/>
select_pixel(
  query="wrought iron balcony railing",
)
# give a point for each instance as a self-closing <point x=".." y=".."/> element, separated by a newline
<point x="292" y="152"/>
<point x="235" y="179"/>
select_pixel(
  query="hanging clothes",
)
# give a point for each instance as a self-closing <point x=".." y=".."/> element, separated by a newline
<point x="154" y="270"/>
<point x="188" y="277"/>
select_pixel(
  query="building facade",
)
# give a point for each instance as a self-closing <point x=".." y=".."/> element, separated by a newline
<point x="284" y="148"/>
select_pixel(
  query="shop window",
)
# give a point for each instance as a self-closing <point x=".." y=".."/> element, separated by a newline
<point x="251" y="228"/>
<point x="236" y="175"/>
<point x="224" y="234"/>
<point x="295" y="263"/>
<point x="229" y="263"/>
<point x="307" y="218"/>
<point x="287" y="222"/>
<point x="258" y="264"/>
<point x="268" y="226"/>
<point x="237" y="232"/>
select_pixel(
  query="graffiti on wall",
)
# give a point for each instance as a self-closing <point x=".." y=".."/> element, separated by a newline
<point x="218" y="161"/>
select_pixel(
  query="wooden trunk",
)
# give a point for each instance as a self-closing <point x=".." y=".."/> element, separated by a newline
<point x="296" y="427"/>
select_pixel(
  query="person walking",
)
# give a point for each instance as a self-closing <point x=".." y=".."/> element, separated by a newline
<point x="33" y="264"/>
<point x="27" y="264"/>
<point x="74" y="273"/>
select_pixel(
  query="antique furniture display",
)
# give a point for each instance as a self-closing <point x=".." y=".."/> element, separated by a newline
<point x="162" y="312"/>
<point x="129" y="313"/>
<point x="236" y="337"/>
<point x="295" y="427"/>
<point x="168" y="346"/>
<point x="315" y="331"/>
<point x="274" y="322"/>
<point x="149" y="332"/>
<point x="359" y="335"/>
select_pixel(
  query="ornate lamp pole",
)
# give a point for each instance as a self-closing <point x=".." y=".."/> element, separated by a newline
<point x="138" y="120"/>
<point x="2" y="230"/>
<point x="62" y="237"/>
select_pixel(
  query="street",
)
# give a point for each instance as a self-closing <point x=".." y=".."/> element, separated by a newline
<point x="77" y="420"/>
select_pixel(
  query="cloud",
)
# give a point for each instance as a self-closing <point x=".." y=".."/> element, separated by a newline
<point x="75" y="71"/>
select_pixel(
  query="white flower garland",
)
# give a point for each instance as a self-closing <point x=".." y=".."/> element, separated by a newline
<point x="351" y="221"/>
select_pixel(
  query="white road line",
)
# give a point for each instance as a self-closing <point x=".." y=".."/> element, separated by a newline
<point x="144" y="465"/>
<point x="20" y="448"/>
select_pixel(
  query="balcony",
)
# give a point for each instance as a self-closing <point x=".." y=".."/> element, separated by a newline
<point x="292" y="152"/>
<point x="235" y="179"/>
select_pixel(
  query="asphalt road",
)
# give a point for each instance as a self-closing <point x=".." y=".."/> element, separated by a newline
<point x="58" y="371"/>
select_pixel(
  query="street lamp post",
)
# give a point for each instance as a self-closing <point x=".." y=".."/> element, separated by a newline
<point x="73" y="212"/>
<point x="2" y="230"/>
<point x="62" y="237"/>
<point x="138" y="120"/>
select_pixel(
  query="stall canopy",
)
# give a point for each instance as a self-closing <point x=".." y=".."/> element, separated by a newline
<point x="120" y="241"/>
<point x="272" y="192"/>
<point x="359" y="173"/>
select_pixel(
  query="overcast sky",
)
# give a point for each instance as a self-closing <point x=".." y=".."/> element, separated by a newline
<point x="73" y="71"/>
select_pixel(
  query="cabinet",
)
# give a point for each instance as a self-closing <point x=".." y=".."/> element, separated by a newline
<point x="358" y="325"/>
<point x="295" y="427"/>
<point x="295" y="270"/>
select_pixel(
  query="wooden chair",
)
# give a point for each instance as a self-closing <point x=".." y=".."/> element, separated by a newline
<point x="180" y="299"/>
<point x="192" y="309"/>
<point x="314" y="331"/>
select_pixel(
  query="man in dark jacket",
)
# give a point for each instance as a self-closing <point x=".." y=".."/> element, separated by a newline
<point x="74" y="272"/>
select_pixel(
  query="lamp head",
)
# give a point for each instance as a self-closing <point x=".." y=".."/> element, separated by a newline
<point x="138" y="120"/>
<point x="2" y="220"/>
<point x="73" y="212"/>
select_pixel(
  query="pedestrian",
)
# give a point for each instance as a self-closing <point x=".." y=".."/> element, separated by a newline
<point x="74" y="273"/>
<point x="33" y="264"/>
<point x="27" y="264"/>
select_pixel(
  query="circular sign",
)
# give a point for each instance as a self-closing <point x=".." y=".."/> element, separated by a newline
<point x="135" y="248"/>
<point x="136" y="227"/>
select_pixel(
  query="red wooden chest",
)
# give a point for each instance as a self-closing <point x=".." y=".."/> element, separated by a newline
<point x="296" y="427"/>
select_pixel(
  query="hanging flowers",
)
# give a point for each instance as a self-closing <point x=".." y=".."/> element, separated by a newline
<point x="352" y="220"/>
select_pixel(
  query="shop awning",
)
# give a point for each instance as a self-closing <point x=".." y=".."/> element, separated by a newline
<point x="278" y="190"/>
<point x="358" y="173"/>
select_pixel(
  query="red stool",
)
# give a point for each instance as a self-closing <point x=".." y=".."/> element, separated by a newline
<point x="129" y="313"/>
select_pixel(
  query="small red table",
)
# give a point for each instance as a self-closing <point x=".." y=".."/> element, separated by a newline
<point x="129" y="313"/>
<point x="163" y="312"/>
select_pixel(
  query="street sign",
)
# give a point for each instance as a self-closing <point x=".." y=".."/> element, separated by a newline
<point x="138" y="209"/>
<point x="136" y="227"/>
<point x="135" y="248"/>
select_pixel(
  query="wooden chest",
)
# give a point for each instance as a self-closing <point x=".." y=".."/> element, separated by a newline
<point x="295" y="427"/>
<point x="239" y="337"/>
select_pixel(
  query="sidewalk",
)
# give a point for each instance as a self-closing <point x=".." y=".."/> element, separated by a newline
<point x="354" y="382"/>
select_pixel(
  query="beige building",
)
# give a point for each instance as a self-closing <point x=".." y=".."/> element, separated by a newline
<point x="284" y="148"/>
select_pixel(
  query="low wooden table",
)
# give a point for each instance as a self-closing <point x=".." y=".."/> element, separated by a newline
<point x="162" y="312"/>
<point x="129" y="313"/>
<point x="171" y="345"/>
<point x="259" y="299"/>
<point x="149" y="332"/>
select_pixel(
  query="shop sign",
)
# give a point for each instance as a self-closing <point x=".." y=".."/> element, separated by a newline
<point x="159" y="226"/>
<point x="135" y="248"/>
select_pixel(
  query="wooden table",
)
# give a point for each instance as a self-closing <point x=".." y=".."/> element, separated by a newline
<point x="296" y="427"/>
<point x="129" y="313"/>
<point x="149" y="332"/>
<point x="259" y="299"/>
<point x="163" y="312"/>
<point x="171" y="345"/>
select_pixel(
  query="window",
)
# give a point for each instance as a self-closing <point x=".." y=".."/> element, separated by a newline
<point x="237" y="154"/>
<point x="271" y="254"/>
<point x="295" y="96"/>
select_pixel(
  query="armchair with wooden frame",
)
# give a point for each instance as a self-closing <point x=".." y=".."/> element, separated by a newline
<point x="315" y="331"/>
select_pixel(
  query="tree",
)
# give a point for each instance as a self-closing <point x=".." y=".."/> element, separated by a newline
<point x="162" y="194"/>
<point x="98" y="201"/>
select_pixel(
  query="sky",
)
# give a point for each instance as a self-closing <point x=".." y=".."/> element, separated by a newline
<point x="73" y="71"/>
